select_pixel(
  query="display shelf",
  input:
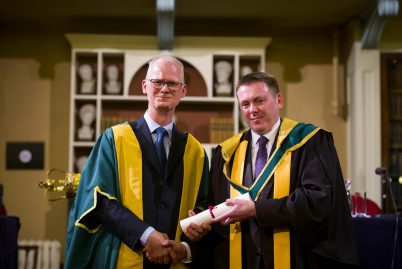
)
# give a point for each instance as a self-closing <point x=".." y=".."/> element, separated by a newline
<point x="117" y="74"/>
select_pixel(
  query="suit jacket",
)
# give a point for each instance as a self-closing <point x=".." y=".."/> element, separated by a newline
<point x="161" y="196"/>
<point x="316" y="213"/>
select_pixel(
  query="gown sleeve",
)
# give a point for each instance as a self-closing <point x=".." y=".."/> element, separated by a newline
<point x="97" y="202"/>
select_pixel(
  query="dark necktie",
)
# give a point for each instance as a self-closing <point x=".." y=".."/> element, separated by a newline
<point x="160" y="148"/>
<point x="262" y="155"/>
<point x="261" y="160"/>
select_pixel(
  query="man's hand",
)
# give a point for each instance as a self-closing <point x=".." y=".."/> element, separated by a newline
<point x="178" y="251"/>
<point x="194" y="231"/>
<point x="241" y="210"/>
<point x="157" y="248"/>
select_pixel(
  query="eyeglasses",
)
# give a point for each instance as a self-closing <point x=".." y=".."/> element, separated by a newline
<point x="159" y="84"/>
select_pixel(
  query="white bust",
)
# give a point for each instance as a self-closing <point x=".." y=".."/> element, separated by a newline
<point x="87" y="80"/>
<point x="113" y="85"/>
<point x="87" y="115"/>
<point x="81" y="163"/>
<point x="245" y="70"/>
<point x="223" y="70"/>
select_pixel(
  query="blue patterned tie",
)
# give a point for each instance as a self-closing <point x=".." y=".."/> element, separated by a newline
<point x="262" y="155"/>
<point x="160" y="148"/>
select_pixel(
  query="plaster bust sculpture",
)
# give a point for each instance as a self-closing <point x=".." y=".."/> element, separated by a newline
<point x="245" y="70"/>
<point x="223" y="71"/>
<point x="80" y="163"/>
<point x="113" y="85"/>
<point x="87" y="116"/>
<point x="87" y="80"/>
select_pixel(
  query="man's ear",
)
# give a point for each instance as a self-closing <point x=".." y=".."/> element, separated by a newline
<point x="144" y="86"/>
<point x="184" y="90"/>
<point x="279" y="99"/>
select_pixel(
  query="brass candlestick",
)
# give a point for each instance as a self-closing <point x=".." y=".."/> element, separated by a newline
<point x="65" y="187"/>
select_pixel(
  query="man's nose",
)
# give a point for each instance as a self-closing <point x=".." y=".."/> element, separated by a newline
<point x="164" y="87"/>
<point x="253" y="108"/>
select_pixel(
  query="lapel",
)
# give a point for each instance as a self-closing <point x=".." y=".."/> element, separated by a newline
<point x="177" y="147"/>
<point x="248" y="169"/>
<point x="141" y="130"/>
<point x="267" y="190"/>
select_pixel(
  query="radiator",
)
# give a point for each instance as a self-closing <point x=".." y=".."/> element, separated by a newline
<point x="38" y="254"/>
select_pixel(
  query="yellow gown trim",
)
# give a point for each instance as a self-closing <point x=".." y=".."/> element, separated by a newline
<point x="281" y="189"/>
<point x="129" y="157"/>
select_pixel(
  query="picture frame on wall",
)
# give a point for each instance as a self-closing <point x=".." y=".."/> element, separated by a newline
<point x="24" y="155"/>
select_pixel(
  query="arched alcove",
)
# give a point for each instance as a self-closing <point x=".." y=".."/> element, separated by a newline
<point x="195" y="82"/>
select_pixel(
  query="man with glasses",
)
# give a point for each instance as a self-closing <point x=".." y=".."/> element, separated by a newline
<point x="140" y="179"/>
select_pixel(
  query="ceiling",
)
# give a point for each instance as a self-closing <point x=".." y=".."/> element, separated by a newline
<point x="192" y="17"/>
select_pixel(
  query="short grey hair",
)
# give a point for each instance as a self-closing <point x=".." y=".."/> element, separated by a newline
<point x="166" y="58"/>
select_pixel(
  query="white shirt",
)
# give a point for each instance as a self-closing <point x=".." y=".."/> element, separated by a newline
<point x="152" y="125"/>
<point x="271" y="137"/>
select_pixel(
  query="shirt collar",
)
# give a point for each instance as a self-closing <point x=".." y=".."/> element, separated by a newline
<point x="270" y="135"/>
<point x="152" y="125"/>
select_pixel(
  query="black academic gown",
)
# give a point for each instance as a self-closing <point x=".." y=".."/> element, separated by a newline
<point x="161" y="194"/>
<point x="316" y="213"/>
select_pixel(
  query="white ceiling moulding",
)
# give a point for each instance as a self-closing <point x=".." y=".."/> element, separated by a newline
<point x="165" y="16"/>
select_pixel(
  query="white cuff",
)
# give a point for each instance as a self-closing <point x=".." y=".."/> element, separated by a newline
<point x="145" y="235"/>
<point x="188" y="258"/>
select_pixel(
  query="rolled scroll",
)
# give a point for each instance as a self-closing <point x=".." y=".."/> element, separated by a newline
<point x="208" y="215"/>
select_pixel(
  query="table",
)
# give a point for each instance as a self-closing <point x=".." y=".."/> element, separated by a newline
<point x="9" y="227"/>
<point x="375" y="241"/>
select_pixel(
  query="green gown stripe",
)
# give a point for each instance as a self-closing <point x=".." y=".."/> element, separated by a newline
<point x="293" y="140"/>
<point x="116" y="173"/>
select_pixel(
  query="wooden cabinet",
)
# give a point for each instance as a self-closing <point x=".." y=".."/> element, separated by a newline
<point x="391" y="119"/>
<point x="106" y="89"/>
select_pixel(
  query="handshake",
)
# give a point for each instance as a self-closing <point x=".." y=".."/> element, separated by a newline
<point x="162" y="250"/>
